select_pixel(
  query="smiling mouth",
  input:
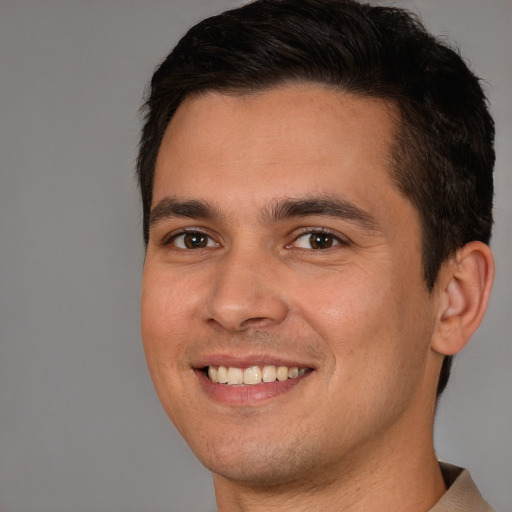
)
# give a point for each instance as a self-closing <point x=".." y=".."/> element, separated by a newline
<point x="252" y="375"/>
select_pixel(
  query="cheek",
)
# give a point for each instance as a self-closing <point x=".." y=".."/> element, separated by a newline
<point x="370" y="321"/>
<point x="165" y="323"/>
<point x="350" y="304"/>
<point x="167" y="301"/>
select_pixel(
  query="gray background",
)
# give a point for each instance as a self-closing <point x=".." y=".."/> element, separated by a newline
<point x="80" y="426"/>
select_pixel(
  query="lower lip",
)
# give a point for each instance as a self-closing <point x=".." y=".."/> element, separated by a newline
<point x="247" y="394"/>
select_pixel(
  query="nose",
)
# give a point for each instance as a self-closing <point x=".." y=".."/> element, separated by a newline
<point x="245" y="293"/>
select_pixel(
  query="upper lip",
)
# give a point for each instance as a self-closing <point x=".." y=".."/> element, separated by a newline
<point x="247" y="360"/>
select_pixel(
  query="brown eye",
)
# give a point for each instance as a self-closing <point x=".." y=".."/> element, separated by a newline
<point x="321" y="240"/>
<point x="195" y="240"/>
<point x="316" y="240"/>
<point x="192" y="240"/>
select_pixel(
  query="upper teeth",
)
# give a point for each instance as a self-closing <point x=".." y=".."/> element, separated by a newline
<point x="253" y="375"/>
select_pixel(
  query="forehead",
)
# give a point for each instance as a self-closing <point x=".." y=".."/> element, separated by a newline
<point x="286" y="141"/>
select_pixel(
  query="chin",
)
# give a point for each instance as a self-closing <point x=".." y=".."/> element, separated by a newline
<point x="257" y="463"/>
<point x="258" y="473"/>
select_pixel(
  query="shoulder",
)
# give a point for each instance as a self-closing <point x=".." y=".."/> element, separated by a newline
<point x="462" y="494"/>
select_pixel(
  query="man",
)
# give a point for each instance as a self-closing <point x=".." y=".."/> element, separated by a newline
<point x="317" y="190"/>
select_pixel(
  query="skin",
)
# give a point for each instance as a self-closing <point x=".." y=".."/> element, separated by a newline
<point x="357" y="314"/>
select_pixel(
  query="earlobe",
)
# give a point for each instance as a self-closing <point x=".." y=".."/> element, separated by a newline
<point x="465" y="285"/>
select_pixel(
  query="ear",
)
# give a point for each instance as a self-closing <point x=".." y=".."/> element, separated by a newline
<point x="465" y="283"/>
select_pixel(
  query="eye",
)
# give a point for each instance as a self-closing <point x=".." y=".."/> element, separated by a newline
<point x="192" y="240"/>
<point x="316" y="240"/>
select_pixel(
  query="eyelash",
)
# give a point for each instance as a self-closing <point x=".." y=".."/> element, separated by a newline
<point x="319" y="231"/>
<point x="170" y="240"/>
<point x="337" y="240"/>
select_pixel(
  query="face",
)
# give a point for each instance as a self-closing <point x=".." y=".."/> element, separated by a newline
<point x="283" y="260"/>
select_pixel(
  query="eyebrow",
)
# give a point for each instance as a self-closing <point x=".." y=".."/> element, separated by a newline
<point x="324" y="206"/>
<point x="170" y="207"/>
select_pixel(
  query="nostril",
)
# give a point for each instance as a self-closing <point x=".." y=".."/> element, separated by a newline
<point x="254" y="323"/>
<point x="259" y="321"/>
